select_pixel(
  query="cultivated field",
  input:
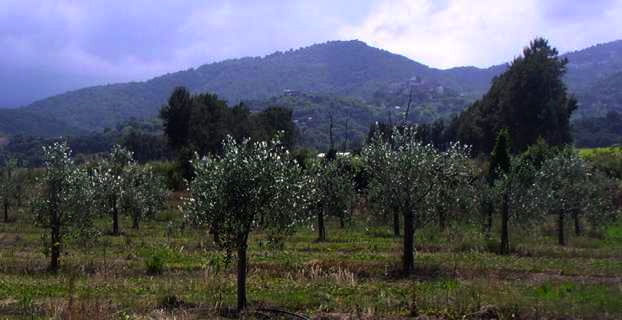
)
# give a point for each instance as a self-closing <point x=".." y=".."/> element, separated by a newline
<point x="162" y="271"/>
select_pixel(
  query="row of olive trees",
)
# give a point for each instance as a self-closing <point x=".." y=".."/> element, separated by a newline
<point x="259" y="186"/>
<point x="543" y="182"/>
<point x="70" y="197"/>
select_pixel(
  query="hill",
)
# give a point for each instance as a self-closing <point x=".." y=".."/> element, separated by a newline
<point x="588" y="66"/>
<point x="15" y="122"/>
<point x="349" y="69"/>
<point x="341" y="68"/>
<point x="602" y="97"/>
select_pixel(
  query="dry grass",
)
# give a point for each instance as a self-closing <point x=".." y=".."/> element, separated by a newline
<point x="355" y="275"/>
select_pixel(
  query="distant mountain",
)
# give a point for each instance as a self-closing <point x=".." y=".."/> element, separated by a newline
<point x="341" y="68"/>
<point x="349" y="69"/>
<point x="20" y="122"/>
<point x="601" y="97"/>
<point x="588" y="66"/>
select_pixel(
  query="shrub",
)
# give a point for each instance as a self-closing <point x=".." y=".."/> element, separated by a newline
<point x="155" y="263"/>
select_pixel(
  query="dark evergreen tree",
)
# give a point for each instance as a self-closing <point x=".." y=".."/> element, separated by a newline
<point x="530" y="100"/>
<point x="500" y="157"/>
<point x="201" y="122"/>
<point x="176" y="116"/>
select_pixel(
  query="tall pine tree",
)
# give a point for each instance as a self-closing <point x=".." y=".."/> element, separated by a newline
<point x="530" y="99"/>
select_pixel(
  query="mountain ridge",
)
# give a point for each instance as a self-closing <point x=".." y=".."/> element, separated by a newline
<point x="337" y="68"/>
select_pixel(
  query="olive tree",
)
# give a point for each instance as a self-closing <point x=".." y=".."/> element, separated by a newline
<point x="332" y="192"/>
<point x="601" y="207"/>
<point x="514" y="190"/>
<point x="454" y="194"/>
<point x="252" y="185"/>
<point x="63" y="201"/>
<point x="414" y="170"/>
<point x="561" y="183"/>
<point x="8" y="186"/>
<point x="110" y="176"/>
<point x="382" y="191"/>
<point x="144" y="193"/>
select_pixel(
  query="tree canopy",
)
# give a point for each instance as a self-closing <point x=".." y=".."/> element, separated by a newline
<point x="530" y="99"/>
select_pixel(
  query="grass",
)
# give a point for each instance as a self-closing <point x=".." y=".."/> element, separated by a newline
<point x="163" y="272"/>
<point x="588" y="152"/>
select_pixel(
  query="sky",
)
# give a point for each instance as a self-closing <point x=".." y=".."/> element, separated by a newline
<point x="52" y="46"/>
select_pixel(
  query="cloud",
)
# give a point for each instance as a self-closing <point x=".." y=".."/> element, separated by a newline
<point x="80" y="43"/>
<point x="484" y="32"/>
<point x="53" y="46"/>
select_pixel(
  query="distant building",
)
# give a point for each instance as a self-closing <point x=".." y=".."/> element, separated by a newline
<point x="288" y="92"/>
<point x="415" y="81"/>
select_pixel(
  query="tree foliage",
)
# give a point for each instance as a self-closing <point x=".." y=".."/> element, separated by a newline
<point x="514" y="191"/>
<point x="413" y="171"/>
<point x="201" y="122"/>
<point x="145" y="193"/>
<point x="111" y="178"/>
<point x="62" y="206"/>
<point x="331" y="190"/>
<point x="529" y="99"/>
<point x="8" y="186"/>
<point x="252" y="185"/>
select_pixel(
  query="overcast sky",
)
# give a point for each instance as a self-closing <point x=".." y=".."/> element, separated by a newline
<point x="51" y="46"/>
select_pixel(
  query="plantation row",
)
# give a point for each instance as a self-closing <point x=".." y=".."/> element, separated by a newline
<point x="260" y="186"/>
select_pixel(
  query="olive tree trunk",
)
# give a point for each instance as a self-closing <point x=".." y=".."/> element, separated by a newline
<point x="409" y="239"/>
<point x="55" y="249"/>
<point x="488" y="212"/>
<point x="242" y="268"/>
<point x="505" y="233"/>
<point x="560" y="228"/>
<point x="321" y="226"/>
<point x="6" y="210"/>
<point x="135" y="221"/>
<point x="115" y="216"/>
<point x="442" y="219"/>
<point x="55" y="237"/>
<point x="577" y="222"/>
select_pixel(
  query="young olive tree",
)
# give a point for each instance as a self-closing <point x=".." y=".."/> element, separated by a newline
<point x="110" y="176"/>
<point x="602" y="205"/>
<point x="145" y="193"/>
<point x="514" y="190"/>
<point x="561" y="182"/>
<point x="454" y="194"/>
<point x="414" y="170"/>
<point x="8" y="186"/>
<point x="332" y="190"/>
<point x="253" y="185"/>
<point x="382" y="191"/>
<point x="62" y="205"/>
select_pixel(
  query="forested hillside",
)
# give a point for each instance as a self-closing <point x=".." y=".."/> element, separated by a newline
<point x="373" y="79"/>
<point x="21" y="122"/>
<point x="602" y="97"/>
<point x="338" y="68"/>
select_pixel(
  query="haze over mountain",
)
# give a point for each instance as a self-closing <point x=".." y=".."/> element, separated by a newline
<point x="378" y="79"/>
